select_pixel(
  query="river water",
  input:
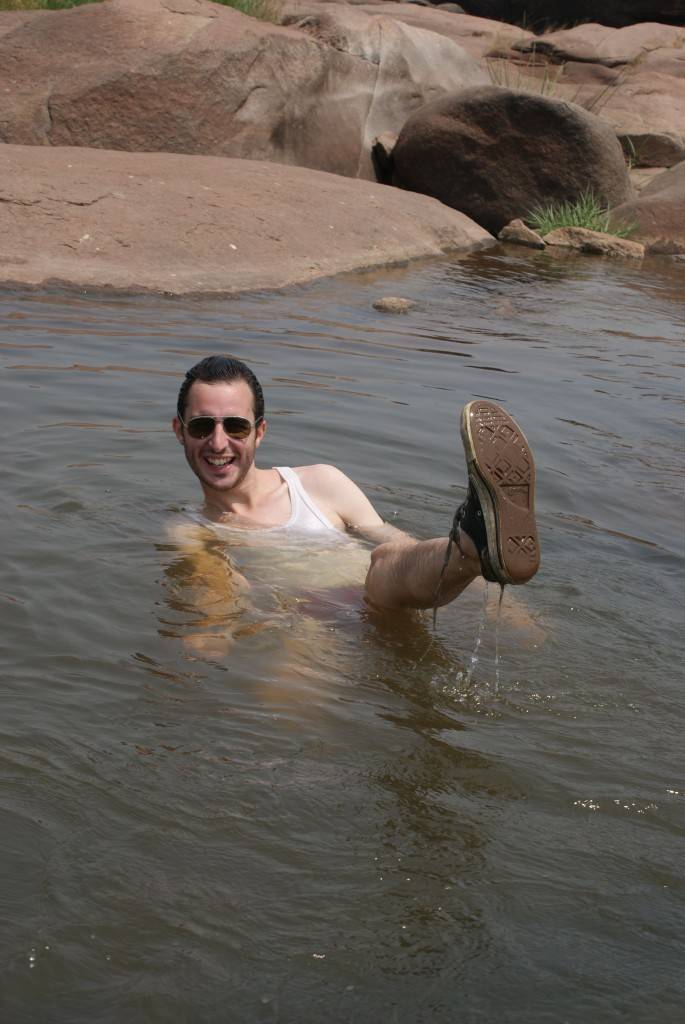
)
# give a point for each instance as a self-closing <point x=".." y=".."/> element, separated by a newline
<point x="329" y="816"/>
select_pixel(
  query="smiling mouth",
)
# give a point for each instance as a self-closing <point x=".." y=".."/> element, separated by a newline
<point x="219" y="461"/>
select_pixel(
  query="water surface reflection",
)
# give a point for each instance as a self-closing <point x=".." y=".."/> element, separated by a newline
<point x="334" y="816"/>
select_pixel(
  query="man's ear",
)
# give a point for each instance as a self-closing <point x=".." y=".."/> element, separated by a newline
<point x="259" y="433"/>
<point x="177" y="428"/>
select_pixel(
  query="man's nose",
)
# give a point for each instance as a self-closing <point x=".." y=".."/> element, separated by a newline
<point x="218" y="436"/>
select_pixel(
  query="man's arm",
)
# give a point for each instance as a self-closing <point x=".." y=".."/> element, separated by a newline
<point x="346" y="505"/>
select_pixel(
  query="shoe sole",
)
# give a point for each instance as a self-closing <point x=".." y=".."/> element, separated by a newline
<point x="502" y="470"/>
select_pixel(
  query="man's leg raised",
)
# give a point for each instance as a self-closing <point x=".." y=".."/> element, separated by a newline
<point x="493" y="534"/>
<point x="407" y="574"/>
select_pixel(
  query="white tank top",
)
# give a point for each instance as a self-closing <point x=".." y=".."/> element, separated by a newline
<point x="305" y="516"/>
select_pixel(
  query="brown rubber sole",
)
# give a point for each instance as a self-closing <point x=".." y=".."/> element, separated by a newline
<point x="502" y="470"/>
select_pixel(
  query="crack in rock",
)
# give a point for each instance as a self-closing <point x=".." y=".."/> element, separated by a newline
<point x="48" y="110"/>
<point x="19" y="202"/>
<point x="80" y="202"/>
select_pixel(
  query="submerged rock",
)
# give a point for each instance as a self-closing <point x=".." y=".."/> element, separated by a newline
<point x="394" y="304"/>
<point x="666" y="248"/>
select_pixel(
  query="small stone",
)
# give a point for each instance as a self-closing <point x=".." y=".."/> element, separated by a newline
<point x="666" y="247"/>
<point x="394" y="304"/>
<point x="520" y="234"/>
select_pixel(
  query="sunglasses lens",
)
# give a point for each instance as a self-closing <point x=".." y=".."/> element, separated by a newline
<point x="236" y="426"/>
<point x="201" y="427"/>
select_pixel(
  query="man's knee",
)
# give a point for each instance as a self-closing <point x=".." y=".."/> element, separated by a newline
<point x="381" y="552"/>
<point x="389" y="550"/>
<point x="380" y="577"/>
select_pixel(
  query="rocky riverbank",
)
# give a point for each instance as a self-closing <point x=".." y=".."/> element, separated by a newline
<point x="181" y="146"/>
<point x="176" y="224"/>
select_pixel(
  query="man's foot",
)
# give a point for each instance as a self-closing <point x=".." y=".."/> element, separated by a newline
<point x="499" y="511"/>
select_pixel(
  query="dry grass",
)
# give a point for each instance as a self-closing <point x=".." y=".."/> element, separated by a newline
<point x="521" y="76"/>
<point x="541" y="77"/>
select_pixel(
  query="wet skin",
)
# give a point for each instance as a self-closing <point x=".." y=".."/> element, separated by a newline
<point x="403" y="572"/>
<point x="221" y="463"/>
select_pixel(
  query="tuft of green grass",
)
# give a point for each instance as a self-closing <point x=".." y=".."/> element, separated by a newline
<point x="264" y="10"/>
<point x="584" y="212"/>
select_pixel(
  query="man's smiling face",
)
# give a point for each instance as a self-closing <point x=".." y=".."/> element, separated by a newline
<point x="220" y="462"/>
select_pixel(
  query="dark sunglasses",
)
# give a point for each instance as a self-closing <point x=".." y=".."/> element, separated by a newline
<point x="237" y="427"/>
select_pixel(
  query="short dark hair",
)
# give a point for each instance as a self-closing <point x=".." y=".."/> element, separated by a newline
<point x="216" y="368"/>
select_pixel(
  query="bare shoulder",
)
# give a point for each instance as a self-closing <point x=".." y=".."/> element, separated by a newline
<point x="338" y="496"/>
<point x="323" y="476"/>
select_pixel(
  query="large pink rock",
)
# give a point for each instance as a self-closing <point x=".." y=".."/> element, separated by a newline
<point x="659" y="212"/>
<point x="478" y="36"/>
<point x="600" y="44"/>
<point x="633" y="78"/>
<point x="496" y="154"/>
<point x="190" y="76"/>
<point x="412" y="66"/>
<point x="179" y="224"/>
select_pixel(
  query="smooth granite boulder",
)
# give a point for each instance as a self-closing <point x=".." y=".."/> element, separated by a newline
<point x="411" y="66"/>
<point x="191" y="76"/>
<point x="495" y="155"/>
<point x="167" y="222"/>
<point x="659" y="212"/>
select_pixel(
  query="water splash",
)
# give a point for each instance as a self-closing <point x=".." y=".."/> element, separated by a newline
<point x="466" y="677"/>
<point x="498" y="620"/>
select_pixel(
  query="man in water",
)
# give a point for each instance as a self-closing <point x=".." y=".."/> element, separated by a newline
<point x="220" y="422"/>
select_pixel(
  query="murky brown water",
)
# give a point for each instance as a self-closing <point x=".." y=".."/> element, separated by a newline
<point x="329" y="822"/>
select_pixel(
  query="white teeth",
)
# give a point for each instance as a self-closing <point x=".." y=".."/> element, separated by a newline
<point x="216" y="461"/>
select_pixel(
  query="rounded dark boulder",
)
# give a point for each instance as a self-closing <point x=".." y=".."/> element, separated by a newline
<point x="495" y="154"/>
